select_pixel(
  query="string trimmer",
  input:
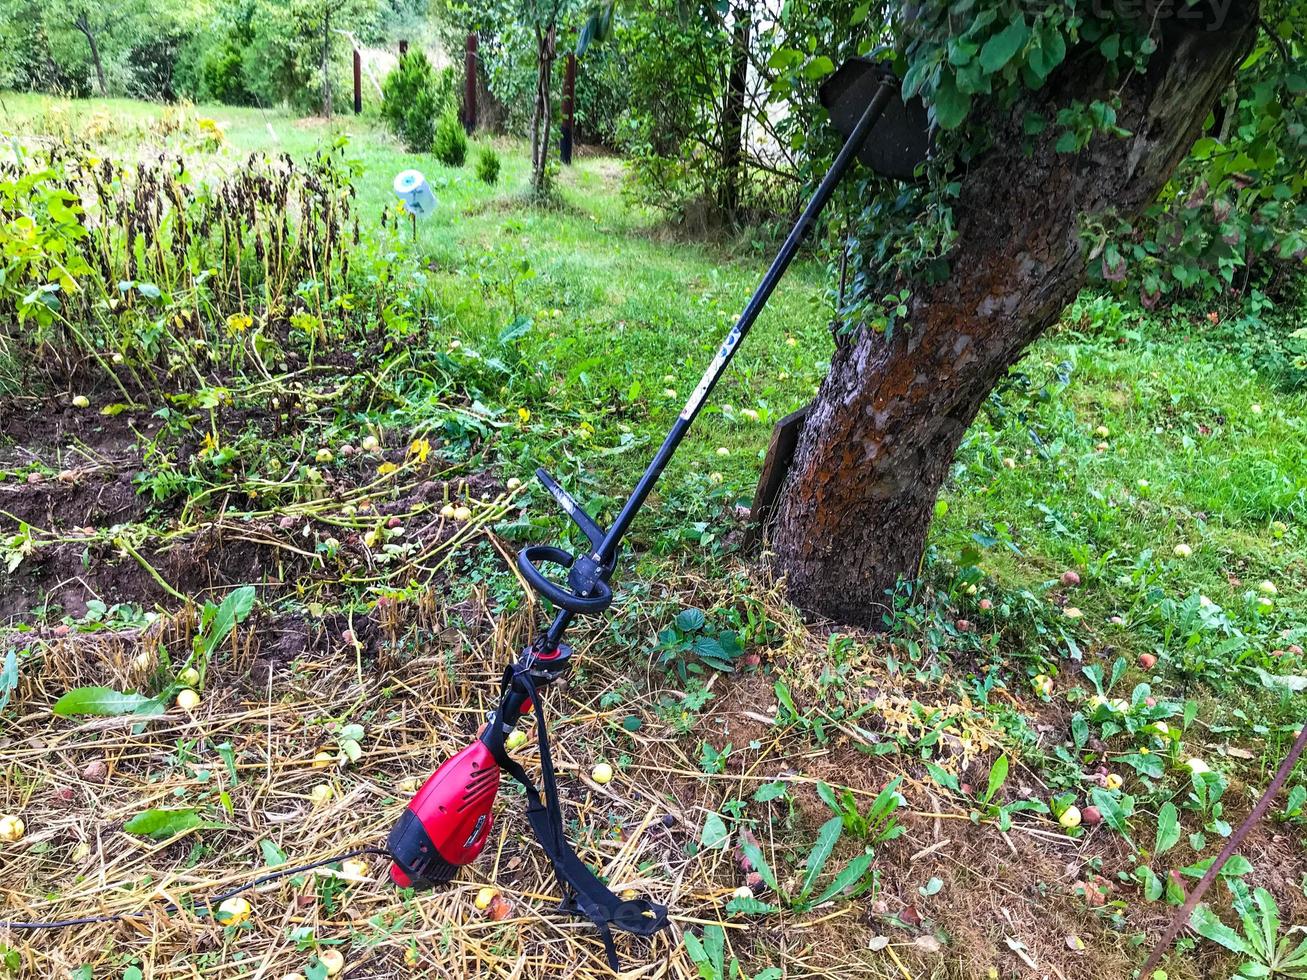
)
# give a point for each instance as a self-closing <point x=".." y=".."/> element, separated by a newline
<point x="448" y="822"/>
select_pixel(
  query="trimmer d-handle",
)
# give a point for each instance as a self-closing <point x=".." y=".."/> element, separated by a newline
<point x="587" y="577"/>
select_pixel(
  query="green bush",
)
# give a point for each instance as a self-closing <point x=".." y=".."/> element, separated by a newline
<point x="450" y="143"/>
<point x="488" y="165"/>
<point x="411" y="102"/>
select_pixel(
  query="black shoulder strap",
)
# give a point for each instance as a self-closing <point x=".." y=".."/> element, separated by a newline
<point x="583" y="892"/>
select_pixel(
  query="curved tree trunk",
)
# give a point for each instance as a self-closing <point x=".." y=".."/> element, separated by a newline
<point x="889" y="416"/>
<point x="84" y="25"/>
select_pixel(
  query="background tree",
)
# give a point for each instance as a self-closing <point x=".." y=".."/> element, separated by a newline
<point x="1054" y="131"/>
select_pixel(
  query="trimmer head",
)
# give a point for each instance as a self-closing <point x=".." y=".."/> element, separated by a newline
<point x="448" y="822"/>
<point x="902" y="137"/>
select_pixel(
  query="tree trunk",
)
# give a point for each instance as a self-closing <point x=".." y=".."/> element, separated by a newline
<point x="326" y="65"/>
<point x="728" y="194"/>
<point x="542" y="117"/>
<point x="84" y="25"/>
<point x="889" y="416"/>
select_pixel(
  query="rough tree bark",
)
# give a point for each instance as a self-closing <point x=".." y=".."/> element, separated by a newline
<point x="542" y="114"/>
<point x="889" y="416"/>
<point x="733" y="106"/>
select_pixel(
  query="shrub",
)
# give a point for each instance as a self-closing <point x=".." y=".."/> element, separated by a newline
<point x="450" y="144"/>
<point x="410" y="101"/>
<point x="488" y="165"/>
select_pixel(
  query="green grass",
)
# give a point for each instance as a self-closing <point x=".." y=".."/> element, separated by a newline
<point x="623" y="313"/>
<point x="582" y="327"/>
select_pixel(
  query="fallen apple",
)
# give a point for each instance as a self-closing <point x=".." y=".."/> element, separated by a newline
<point x="12" y="829"/>
<point x="602" y="773"/>
<point x="1147" y="661"/>
<point x="187" y="699"/>
<point x="484" y="897"/>
<point x="1182" y="550"/>
<point x="1070" y="818"/>
<point x="332" y="961"/>
<point x="234" y="911"/>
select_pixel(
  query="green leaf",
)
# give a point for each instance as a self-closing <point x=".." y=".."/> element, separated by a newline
<point x="748" y="906"/>
<point x="754" y="853"/>
<point x="943" y="777"/>
<point x="162" y="824"/>
<point x="848" y="878"/>
<point x="769" y="791"/>
<point x="714" y="835"/>
<point x="951" y="106"/>
<point x="1288" y="682"/>
<point x="827" y="837"/>
<point x="1116" y="813"/>
<point x="1003" y="46"/>
<point x="1236" y="867"/>
<point x="1205" y="922"/>
<point x="1168" y="828"/>
<point x="520" y="327"/>
<point x="997" y="776"/>
<point x="235" y="607"/>
<point x="1153" y="889"/>
<point x="818" y="67"/>
<point x="272" y="854"/>
<point x="8" y="677"/>
<point x="105" y="702"/>
<point x="689" y="620"/>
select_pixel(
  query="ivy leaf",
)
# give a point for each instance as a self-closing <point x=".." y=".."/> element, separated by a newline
<point x="950" y="105"/>
<point x="1003" y="46"/>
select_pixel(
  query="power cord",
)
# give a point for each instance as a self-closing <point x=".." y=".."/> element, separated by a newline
<point x="209" y="902"/>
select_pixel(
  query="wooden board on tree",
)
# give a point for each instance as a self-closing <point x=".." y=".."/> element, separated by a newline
<point x="775" y="467"/>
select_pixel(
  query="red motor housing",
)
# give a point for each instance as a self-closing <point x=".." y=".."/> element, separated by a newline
<point x="447" y="822"/>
